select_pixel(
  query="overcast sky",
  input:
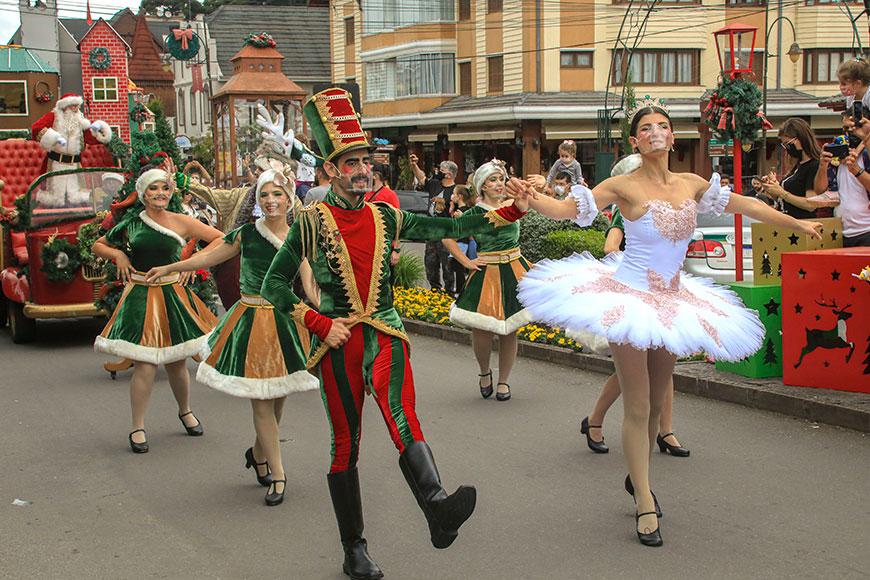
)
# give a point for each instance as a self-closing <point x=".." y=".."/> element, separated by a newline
<point x="9" y="20"/>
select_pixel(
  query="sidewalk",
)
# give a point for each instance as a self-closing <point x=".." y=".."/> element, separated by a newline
<point x="850" y="410"/>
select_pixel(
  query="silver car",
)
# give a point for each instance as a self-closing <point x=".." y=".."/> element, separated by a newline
<point x="712" y="249"/>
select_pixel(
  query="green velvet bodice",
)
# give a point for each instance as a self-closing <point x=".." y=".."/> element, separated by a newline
<point x="258" y="247"/>
<point x="146" y="243"/>
<point x="495" y="239"/>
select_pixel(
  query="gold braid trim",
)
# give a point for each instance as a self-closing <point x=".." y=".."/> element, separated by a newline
<point x="299" y="311"/>
<point x="495" y="219"/>
<point x="346" y="268"/>
<point x="378" y="258"/>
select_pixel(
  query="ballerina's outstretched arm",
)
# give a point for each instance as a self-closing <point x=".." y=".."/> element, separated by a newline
<point x="581" y="205"/>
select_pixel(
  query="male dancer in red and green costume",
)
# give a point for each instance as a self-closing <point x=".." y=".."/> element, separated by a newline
<point x="358" y="340"/>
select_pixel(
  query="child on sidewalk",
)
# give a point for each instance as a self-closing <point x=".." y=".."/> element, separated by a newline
<point x="567" y="163"/>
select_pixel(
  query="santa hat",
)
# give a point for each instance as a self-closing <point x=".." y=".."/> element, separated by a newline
<point x="150" y="177"/>
<point x="68" y="100"/>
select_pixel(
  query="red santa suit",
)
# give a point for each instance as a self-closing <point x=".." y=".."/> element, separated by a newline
<point x="64" y="137"/>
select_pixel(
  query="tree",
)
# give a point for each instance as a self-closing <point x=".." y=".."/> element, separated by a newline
<point x="630" y="103"/>
<point x="765" y="264"/>
<point x="169" y="8"/>
<point x="165" y="134"/>
<point x="769" y="354"/>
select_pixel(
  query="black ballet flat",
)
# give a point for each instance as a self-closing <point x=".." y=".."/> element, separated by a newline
<point x="503" y="396"/>
<point x="138" y="447"/>
<point x="654" y="538"/>
<point x="274" y="498"/>
<point x="596" y="446"/>
<point x="486" y="392"/>
<point x="629" y="487"/>
<point x="250" y="461"/>
<point x="666" y="447"/>
<point x="196" y="430"/>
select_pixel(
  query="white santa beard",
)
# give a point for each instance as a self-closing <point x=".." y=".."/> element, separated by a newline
<point x="69" y="124"/>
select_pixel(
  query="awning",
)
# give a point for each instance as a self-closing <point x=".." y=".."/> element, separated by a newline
<point x="422" y="137"/>
<point x="482" y="135"/>
<point x="183" y="142"/>
<point x="581" y="133"/>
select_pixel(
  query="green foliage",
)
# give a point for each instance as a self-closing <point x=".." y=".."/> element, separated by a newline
<point x="164" y="132"/>
<point x="409" y="270"/>
<point x="560" y="244"/>
<point x="533" y="232"/>
<point x="88" y="234"/>
<point x="14" y="134"/>
<point x="60" y="260"/>
<point x="177" y="8"/>
<point x="406" y="174"/>
<point x="203" y="151"/>
<point x="119" y="149"/>
<point x="630" y="101"/>
<point x="745" y="98"/>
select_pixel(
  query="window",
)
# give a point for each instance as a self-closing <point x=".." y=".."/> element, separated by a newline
<point x="181" y="121"/>
<point x="820" y="65"/>
<point x="105" y="89"/>
<point x="13" y="98"/>
<point x="410" y="76"/>
<point x="385" y="15"/>
<point x="192" y="108"/>
<point x="576" y="58"/>
<point x="659" y="67"/>
<point x="348" y="31"/>
<point x="495" y="72"/>
<point x="493" y="6"/>
<point x="464" y="9"/>
<point x="149" y="126"/>
<point x="116" y="130"/>
<point x="465" y="78"/>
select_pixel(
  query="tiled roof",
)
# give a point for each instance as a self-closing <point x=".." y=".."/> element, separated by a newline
<point x="123" y="21"/>
<point x="145" y="64"/>
<point x="19" y="59"/>
<point x="302" y="34"/>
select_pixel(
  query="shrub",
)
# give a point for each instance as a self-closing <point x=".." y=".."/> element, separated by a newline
<point x="561" y="244"/>
<point x="533" y="230"/>
<point x="408" y="271"/>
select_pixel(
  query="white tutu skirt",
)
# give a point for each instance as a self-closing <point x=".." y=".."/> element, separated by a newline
<point x="685" y="315"/>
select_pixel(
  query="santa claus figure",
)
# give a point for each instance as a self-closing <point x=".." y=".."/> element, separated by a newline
<point x="64" y="133"/>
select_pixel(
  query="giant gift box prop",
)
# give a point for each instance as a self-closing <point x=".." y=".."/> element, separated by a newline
<point x="767" y="361"/>
<point x="825" y="330"/>
<point x="769" y="242"/>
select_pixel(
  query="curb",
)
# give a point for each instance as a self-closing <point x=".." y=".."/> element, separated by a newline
<point x="839" y="408"/>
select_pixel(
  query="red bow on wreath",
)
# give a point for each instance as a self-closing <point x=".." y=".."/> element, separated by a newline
<point x="723" y="118"/>
<point x="765" y="124"/>
<point x="184" y="36"/>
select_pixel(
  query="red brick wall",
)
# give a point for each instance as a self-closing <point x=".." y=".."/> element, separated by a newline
<point x="115" y="113"/>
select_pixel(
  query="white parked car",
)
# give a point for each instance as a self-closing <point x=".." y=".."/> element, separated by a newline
<point x="712" y="249"/>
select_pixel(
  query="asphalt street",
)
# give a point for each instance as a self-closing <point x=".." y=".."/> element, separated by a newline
<point x="762" y="496"/>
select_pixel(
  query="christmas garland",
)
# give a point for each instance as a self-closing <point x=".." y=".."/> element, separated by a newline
<point x="183" y="44"/>
<point x="99" y="58"/>
<point x="60" y="259"/>
<point x="261" y="40"/>
<point x="733" y="110"/>
<point x="138" y="113"/>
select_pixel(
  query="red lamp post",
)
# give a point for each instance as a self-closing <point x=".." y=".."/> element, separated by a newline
<point x="735" y="51"/>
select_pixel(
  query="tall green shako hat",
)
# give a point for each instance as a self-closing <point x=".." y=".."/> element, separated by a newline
<point x="334" y="123"/>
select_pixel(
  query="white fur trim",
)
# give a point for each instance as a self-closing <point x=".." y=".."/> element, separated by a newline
<point x="149" y="354"/>
<point x="84" y="123"/>
<point x="478" y="321"/>
<point x="157" y="227"/>
<point x="264" y="231"/>
<point x="102" y="132"/>
<point x="64" y="102"/>
<point x="586" y="208"/>
<point x="263" y="389"/>
<point x="49" y="139"/>
<point x="150" y="177"/>
<point x="482" y="173"/>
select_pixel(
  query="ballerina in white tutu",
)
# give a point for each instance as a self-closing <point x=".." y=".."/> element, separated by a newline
<point x="648" y="310"/>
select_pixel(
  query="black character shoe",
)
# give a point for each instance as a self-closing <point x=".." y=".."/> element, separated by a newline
<point x="486" y="392"/>
<point x="506" y="396"/>
<point x="629" y="487"/>
<point x="445" y="513"/>
<point x="250" y="461"/>
<point x="666" y="447"/>
<point x="196" y="430"/>
<point x="653" y="538"/>
<point x="138" y="447"/>
<point x="273" y="496"/>
<point x="346" y="501"/>
<point x="596" y="446"/>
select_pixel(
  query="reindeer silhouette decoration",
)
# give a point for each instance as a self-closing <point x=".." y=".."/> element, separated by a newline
<point x="829" y="337"/>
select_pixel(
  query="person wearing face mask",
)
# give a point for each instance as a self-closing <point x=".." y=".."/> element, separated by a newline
<point x="255" y="352"/>
<point x="488" y="303"/>
<point x="561" y="185"/>
<point x="854" y="77"/>
<point x="158" y="321"/>
<point x="797" y="138"/>
<point x="440" y="189"/>
<point x="358" y="342"/>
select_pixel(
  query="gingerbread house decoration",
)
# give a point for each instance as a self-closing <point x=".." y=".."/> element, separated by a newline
<point x="105" y="77"/>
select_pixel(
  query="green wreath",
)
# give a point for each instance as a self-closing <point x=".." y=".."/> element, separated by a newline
<point x="99" y="58"/>
<point x="138" y="113"/>
<point x="176" y="46"/>
<point x="60" y="260"/>
<point x="733" y="110"/>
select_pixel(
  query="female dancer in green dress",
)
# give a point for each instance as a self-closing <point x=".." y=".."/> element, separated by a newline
<point x="255" y="352"/>
<point x="488" y="304"/>
<point x="161" y="321"/>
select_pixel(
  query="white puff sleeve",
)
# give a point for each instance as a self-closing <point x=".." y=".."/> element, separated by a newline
<point x="715" y="198"/>
<point x="586" y="207"/>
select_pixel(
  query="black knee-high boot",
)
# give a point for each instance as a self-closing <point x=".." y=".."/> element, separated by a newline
<point x="346" y="501"/>
<point x="445" y="513"/>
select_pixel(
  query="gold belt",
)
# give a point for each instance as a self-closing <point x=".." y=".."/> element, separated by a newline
<point x="139" y="278"/>
<point x="500" y="257"/>
<point x="255" y="301"/>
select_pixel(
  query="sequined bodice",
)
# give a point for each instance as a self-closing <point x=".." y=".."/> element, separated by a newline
<point x="656" y="243"/>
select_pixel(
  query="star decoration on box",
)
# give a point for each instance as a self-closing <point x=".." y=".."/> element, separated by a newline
<point x="775" y="233"/>
<point x="827" y="364"/>
<point x="798" y="308"/>
<point x="818" y="317"/>
<point x="835" y="275"/>
<point x="802" y="274"/>
<point x="793" y="239"/>
<point x="852" y="289"/>
<point x="834" y="236"/>
<point x="772" y="307"/>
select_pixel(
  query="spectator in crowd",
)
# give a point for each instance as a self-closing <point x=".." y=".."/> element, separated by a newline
<point x="561" y="185"/>
<point x="567" y="162"/>
<point x="854" y="77"/>
<point x="726" y="183"/>
<point x="799" y="141"/>
<point x="318" y="192"/>
<point x="381" y="186"/>
<point x="440" y="189"/>
<point x="463" y="198"/>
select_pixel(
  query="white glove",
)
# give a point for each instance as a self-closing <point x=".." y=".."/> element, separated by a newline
<point x="61" y="141"/>
<point x="273" y="129"/>
<point x="95" y="126"/>
<point x="308" y="159"/>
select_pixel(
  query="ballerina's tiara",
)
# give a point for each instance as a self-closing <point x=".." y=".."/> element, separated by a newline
<point x="644" y="103"/>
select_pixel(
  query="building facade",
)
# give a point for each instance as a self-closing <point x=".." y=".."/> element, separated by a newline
<point x="106" y="86"/>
